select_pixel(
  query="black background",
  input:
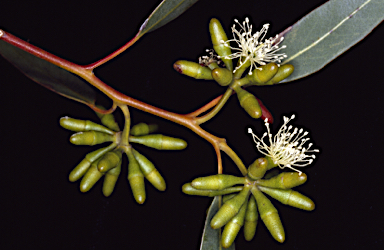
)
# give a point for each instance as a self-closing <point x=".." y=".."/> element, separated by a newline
<point x="342" y="107"/>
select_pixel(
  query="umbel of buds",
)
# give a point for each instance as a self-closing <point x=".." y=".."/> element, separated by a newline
<point x="244" y="208"/>
<point x="106" y="161"/>
<point x="253" y="52"/>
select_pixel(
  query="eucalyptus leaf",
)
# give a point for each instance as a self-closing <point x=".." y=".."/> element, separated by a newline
<point x="211" y="237"/>
<point x="165" y="12"/>
<point x="48" y="74"/>
<point x="328" y="31"/>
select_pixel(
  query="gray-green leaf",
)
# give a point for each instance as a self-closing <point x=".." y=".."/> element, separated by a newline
<point x="328" y="31"/>
<point x="211" y="237"/>
<point x="164" y="13"/>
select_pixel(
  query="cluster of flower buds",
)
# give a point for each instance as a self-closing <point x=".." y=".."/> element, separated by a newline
<point x="107" y="161"/>
<point x="244" y="208"/>
<point x="252" y="50"/>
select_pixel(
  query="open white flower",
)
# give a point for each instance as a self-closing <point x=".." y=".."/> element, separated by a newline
<point x="252" y="49"/>
<point x="287" y="147"/>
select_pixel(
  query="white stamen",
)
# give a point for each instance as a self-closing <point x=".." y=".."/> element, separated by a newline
<point x="287" y="148"/>
<point x="212" y="58"/>
<point x="251" y="48"/>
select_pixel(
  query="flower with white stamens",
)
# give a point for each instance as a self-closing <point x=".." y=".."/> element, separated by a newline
<point x="286" y="148"/>
<point x="212" y="58"/>
<point x="252" y="49"/>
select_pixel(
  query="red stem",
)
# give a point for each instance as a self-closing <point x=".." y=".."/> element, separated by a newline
<point x="114" y="54"/>
<point x="118" y="98"/>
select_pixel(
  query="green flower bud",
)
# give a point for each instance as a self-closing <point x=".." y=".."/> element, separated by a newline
<point x="283" y="72"/>
<point x="143" y="129"/>
<point x="160" y="142"/>
<point x="222" y="76"/>
<point x="290" y="197"/>
<point x="193" y="69"/>
<point x="219" y="38"/>
<point x="249" y="103"/>
<point x="232" y="228"/>
<point x="82" y="125"/>
<point x="83" y="166"/>
<point x="259" y="77"/>
<point x="110" y="180"/>
<point x="284" y="180"/>
<point x="136" y="179"/>
<point x="251" y="217"/>
<point x="90" y="178"/>
<point x="230" y="209"/>
<point x="217" y="182"/>
<point x="108" y="120"/>
<point x="188" y="189"/>
<point x="269" y="215"/>
<point x="149" y="171"/>
<point x="109" y="161"/>
<point x="258" y="168"/>
<point x="90" y="138"/>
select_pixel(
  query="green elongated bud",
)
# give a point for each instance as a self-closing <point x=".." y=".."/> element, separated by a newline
<point x="83" y="166"/>
<point x="82" y="125"/>
<point x="193" y="69"/>
<point x="283" y="72"/>
<point x="232" y="228"/>
<point x="188" y="189"/>
<point x="284" y="180"/>
<point x="251" y="217"/>
<point x="230" y="209"/>
<point x="90" y="178"/>
<point x="109" y="161"/>
<point x="222" y="76"/>
<point x="259" y="77"/>
<point x="290" y="197"/>
<point x="269" y="215"/>
<point x="110" y="180"/>
<point x="160" y="142"/>
<point x="258" y="168"/>
<point x="136" y="179"/>
<point x="108" y="120"/>
<point x="90" y="138"/>
<point x="143" y="129"/>
<point x="217" y="182"/>
<point x="149" y="171"/>
<point x="219" y="38"/>
<point x="249" y="103"/>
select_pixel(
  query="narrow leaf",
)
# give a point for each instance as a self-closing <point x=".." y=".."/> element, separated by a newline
<point x="164" y="13"/>
<point x="212" y="237"/>
<point x="328" y="31"/>
<point x="48" y="74"/>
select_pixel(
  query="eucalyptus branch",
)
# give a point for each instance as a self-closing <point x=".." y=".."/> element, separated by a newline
<point x="118" y="98"/>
